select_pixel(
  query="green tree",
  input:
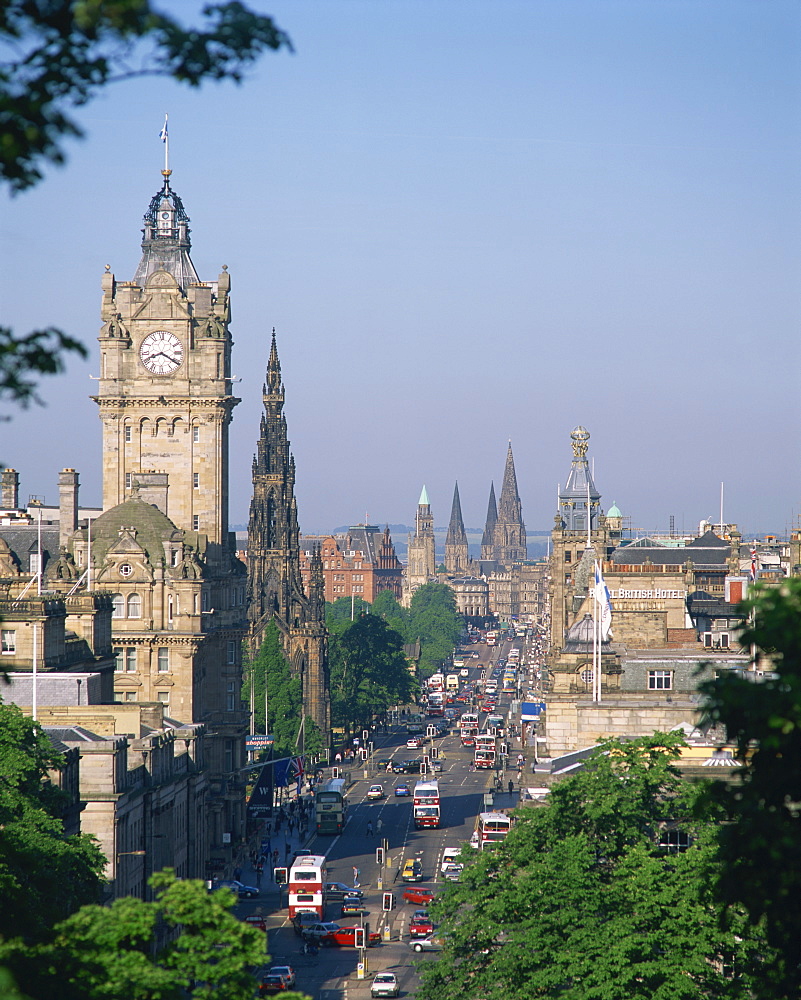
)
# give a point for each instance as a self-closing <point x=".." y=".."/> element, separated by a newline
<point x="273" y="680"/>
<point x="581" y="903"/>
<point x="341" y="612"/>
<point x="388" y="607"/>
<point x="760" y="843"/>
<point x="56" y="57"/>
<point x="369" y="672"/>
<point x="44" y="874"/>
<point x="436" y="622"/>
<point x="108" y="953"/>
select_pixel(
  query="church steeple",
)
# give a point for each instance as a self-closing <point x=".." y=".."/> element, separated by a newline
<point x="510" y="531"/>
<point x="165" y="238"/>
<point x="456" y="557"/>
<point x="488" y="538"/>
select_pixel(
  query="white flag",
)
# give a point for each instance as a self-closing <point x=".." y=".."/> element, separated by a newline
<point x="604" y="600"/>
<point x="163" y="132"/>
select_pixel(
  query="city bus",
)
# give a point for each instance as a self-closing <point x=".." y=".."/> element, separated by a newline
<point x="426" y="804"/>
<point x="485" y="750"/>
<point x="330" y="806"/>
<point x="307" y="876"/>
<point x="491" y="829"/>
<point x="436" y="703"/>
<point x="494" y="724"/>
<point x="415" y="724"/>
<point x="468" y="726"/>
<point x="509" y="682"/>
<point x="491" y="638"/>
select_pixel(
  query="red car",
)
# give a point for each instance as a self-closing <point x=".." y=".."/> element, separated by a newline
<point x="418" y="894"/>
<point x="346" y="937"/>
<point x="420" y="927"/>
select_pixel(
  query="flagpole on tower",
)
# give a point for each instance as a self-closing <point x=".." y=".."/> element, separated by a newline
<point x="164" y="135"/>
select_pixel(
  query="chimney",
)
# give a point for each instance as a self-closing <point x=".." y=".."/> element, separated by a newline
<point x="67" y="505"/>
<point x="153" y="488"/>
<point x="9" y="489"/>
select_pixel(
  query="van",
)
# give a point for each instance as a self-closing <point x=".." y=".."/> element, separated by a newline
<point x="450" y="856"/>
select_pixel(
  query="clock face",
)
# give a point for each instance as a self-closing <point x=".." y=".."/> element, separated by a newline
<point x="161" y="352"/>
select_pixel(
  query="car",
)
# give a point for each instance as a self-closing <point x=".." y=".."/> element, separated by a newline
<point x="338" y="890"/>
<point x="412" y="871"/>
<point x="414" y="743"/>
<point x="420" y="927"/>
<point x="353" y="908"/>
<point x="283" y="970"/>
<point x="272" y="984"/>
<point x="303" y="920"/>
<point x="402" y="789"/>
<point x="375" y="792"/>
<point x="385" y="984"/>
<point x="418" y="894"/>
<point x="399" y="767"/>
<point x="346" y="937"/>
<point x="453" y="872"/>
<point x="426" y="944"/>
<point x="450" y="856"/>
<point x="464" y="672"/>
<point x="243" y="891"/>
<point x="320" y="933"/>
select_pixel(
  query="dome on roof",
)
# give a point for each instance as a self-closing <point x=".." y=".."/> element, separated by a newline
<point x="614" y="511"/>
<point x="152" y="527"/>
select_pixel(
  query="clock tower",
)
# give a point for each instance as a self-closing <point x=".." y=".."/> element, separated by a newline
<point x="165" y="377"/>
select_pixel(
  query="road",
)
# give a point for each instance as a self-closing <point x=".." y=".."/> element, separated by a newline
<point x="333" y="973"/>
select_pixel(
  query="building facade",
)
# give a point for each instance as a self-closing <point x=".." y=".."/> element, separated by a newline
<point x="361" y="562"/>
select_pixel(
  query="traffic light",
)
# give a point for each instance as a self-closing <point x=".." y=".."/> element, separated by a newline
<point x="435" y="752"/>
<point x="379" y="855"/>
<point x="280" y="875"/>
<point x="335" y="771"/>
<point x="388" y="902"/>
<point x="360" y="937"/>
<point x="365" y="735"/>
<point x="423" y="768"/>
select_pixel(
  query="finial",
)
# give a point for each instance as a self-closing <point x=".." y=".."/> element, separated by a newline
<point x="225" y="267"/>
<point x="108" y="267"/>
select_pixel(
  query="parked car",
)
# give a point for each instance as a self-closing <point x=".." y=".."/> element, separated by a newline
<point x="338" y="890"/>
<point x="243" y="891"/>
<point x="302" y="921"/>
<point x="283" y="970"/>
<point x="272" y="984"/>
<point x="418" y="894"/>
<point x="412" y="871"/>
<point x="385" y="984"/>
<point x="426" y="944"/>
<point x="401" y="789"/>
<point x="375" y="792"/>
<point x="320" y="933"/>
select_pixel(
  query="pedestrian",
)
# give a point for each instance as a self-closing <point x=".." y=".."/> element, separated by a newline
<point x="379" y="826"/>
<point x="511" y="786"/>
<point x="369" y="828"/>
<point x="237" y="874"/>
<point x="355" y="877"/>
<point x="275" y="857"/>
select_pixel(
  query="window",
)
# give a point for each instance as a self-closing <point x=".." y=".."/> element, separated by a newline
<point x="204" y="601"/>
<point x="196" y="480"/>
<point x="674" y="841"/>
<point x="229" y="755"/>
<point x="127" y="432"/>
<point x="130" y="695"/>
<point x="134" y="606"/>
<point x="163" y="660"/>
<point x="586" y="676"/>
<point x="196" y="522"/>
<point x="130" y="659"/>
<point x="128" y="480"/>
<point x="119" y="606"/>
<point x="660" y="680"/>
<point x="567" y="556"/>
<point x="196" y="434"/>
<point x="33" y="562"/>
<point x="8" y="640"/>
<point x="170" y="609"/>
<point x="230" y="696"/>
<point x="232" y="644"/>
<point x="126" y="569"/>
<point x="164" y="698"/>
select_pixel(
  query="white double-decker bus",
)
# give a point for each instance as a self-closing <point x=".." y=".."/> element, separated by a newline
<point x="307" y="876"/>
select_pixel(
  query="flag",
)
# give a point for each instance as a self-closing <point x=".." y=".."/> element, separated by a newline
<point x="604" y="599"/>
<point x="753" y="573"/>
<point x="163" y="132"/>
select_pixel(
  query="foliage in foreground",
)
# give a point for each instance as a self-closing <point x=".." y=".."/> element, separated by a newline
<point x="582" y="903"/>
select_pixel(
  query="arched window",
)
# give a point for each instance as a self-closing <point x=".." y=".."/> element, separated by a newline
<point x="119" y="606"/>
<point x="272" y="530"/>
<point x="134" y="606"/>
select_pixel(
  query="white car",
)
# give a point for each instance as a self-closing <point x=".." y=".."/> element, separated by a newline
<point x="375" y="792"/>
<point x="285" y="971"/>
<point x="385" y="984"/>
<point x="450" y="857"/>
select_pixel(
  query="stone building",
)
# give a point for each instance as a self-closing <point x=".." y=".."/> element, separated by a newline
<point x="421" y="565"/>
<point x="472" y="596"/>
<point x="275" y="582"/>
<point x="456" y="554"/>
<point x="361" y="562"/>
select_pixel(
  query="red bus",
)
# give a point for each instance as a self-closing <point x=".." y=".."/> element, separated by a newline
<point x="426" y="804"/>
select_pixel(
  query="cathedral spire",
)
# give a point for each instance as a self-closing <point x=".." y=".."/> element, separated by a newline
<point x="456" y="540"/>
<point x="488" y="538"/>
<point x="165" y="238"/>
<point x="510" y="531"/>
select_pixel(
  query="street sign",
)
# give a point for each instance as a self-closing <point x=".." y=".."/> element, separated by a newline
<point x="258" y="742"/>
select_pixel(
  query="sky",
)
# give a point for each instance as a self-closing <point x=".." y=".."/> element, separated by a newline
<point x="469" y="223"/>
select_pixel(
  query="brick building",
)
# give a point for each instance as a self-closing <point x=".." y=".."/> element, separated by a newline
<point x="358" y="563"/>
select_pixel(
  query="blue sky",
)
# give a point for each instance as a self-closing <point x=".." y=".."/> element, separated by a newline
<point x="468" y="222"/>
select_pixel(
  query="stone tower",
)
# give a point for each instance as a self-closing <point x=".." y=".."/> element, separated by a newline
<point x="456" y="558"/>
<point x="580" y="535"/>
<point x="165" y="378"/>
<point x="421" y="565"/>
<point x="488" y="538"/>
<point x="510" y="531"/>
<point x="275" y="587"/>
<point x="162" y="545"/>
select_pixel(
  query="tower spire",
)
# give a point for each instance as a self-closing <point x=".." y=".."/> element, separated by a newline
<point x="456" y="557"/>
<point x="488" y="538"/>
<point x="510" y="531"/>
<point x="165" y="237"/>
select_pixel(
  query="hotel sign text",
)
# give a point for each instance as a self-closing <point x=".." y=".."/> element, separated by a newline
<point x="647" y="595"/>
